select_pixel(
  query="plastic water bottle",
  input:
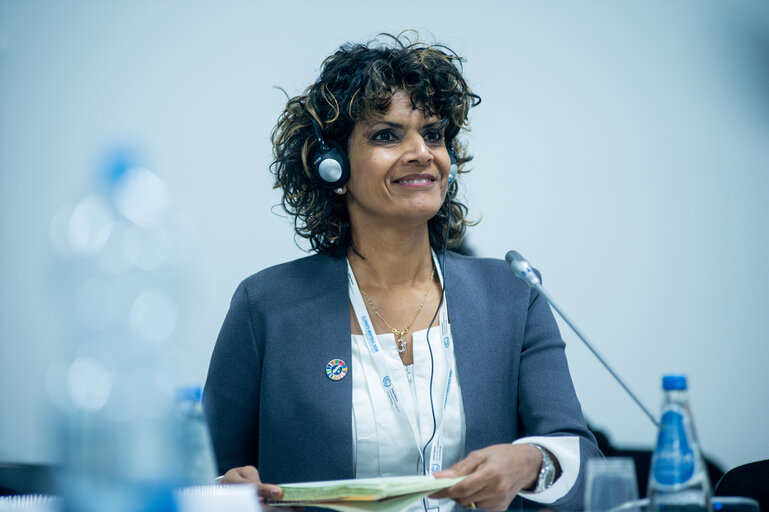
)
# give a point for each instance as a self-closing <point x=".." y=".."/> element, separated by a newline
<point x="119" y="303"/>
<point x="678" y="480"/>
<point x="197" y="454"/>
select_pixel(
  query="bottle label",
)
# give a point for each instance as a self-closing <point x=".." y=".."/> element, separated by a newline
<point x="673" y="461"/>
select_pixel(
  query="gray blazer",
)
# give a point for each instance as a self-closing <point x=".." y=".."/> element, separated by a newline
<point x="270" y="404"/>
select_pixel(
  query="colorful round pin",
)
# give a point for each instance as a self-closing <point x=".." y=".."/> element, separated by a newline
<point x="336" y="369"/>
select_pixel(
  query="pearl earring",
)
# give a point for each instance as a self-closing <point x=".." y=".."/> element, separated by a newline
<point x="339" y="191"/>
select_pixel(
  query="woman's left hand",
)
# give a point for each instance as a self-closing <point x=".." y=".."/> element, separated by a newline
<point x="495" y="475"/>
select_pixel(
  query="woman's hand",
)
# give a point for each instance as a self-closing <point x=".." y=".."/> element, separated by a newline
<point x="250" y="475"/>
<point x="495" y="475"/>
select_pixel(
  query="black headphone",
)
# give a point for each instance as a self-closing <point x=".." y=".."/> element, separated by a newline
<point x="332" y="169"/>
<point x="329" y="162"/>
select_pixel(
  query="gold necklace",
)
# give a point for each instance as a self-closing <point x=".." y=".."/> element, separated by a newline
<point x="400" y="334"/>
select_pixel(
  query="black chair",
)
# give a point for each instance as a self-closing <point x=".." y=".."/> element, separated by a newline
<point x="26" y="479"/>
<point x="749" y="480"/>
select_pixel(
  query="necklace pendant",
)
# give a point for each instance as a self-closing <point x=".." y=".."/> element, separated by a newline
<point x="401" y="346"/>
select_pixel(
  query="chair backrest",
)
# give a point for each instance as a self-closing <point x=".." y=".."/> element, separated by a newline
<point x="749" y="480"/>
<point x="26" y="479"/>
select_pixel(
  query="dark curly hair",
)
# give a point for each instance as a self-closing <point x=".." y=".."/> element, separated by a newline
<point x="357" y="82"/>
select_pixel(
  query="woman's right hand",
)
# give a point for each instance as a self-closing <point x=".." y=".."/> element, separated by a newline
<point x="250" y="475"/>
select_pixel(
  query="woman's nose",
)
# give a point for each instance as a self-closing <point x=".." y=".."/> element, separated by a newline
<point x="417" y="150"/>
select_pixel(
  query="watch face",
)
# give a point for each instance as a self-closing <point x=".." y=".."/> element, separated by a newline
<point x="549" y="475"/>
<point x="546" y="473"/>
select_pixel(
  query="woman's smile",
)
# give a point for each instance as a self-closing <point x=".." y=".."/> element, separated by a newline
<point x="416" y="180"/>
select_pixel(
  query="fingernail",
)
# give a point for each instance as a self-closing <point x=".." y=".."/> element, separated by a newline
<point x="274" y="493"/>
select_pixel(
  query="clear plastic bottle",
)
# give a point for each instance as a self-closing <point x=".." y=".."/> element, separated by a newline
<point x="197" y="453"/>
<point x="114" y="386"/>
<point x="678" y="480"/>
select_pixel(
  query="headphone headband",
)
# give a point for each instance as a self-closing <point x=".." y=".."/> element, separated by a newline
<point x="319" y="135"/>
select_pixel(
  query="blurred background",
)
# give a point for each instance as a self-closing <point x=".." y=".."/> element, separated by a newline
<point x="622" y="147"/>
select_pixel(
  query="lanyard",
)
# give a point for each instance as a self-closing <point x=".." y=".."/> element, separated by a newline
<point x="394" y="382"/>
<point x="436" y="453"/>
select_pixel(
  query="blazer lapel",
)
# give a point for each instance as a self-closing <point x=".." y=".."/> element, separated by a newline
<point x="469" y="333"/>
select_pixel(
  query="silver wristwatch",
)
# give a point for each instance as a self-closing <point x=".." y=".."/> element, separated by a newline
<point x="546" y="472"/>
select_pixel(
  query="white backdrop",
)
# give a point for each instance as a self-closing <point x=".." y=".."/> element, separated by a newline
<point x="621" y="146"/>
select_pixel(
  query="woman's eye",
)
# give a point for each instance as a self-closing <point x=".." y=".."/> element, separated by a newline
<point x="383" y="136"/>
<point x="433" y="136"/>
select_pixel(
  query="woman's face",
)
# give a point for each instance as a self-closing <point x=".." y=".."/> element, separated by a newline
<point x="399" y="167"/>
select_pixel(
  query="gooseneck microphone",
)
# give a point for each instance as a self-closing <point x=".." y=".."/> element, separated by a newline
<point x="522" y="269"/>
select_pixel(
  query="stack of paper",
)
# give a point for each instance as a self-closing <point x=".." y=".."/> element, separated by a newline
<point x="364" y="494"/>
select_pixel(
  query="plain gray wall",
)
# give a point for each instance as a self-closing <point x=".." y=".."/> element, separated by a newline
<point x="621" y="146"/>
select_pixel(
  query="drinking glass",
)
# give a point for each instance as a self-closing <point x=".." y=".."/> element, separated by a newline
<point x="610" y="483"/>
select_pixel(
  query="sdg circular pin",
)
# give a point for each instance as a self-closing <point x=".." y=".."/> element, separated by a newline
<point x="336" y="369"/>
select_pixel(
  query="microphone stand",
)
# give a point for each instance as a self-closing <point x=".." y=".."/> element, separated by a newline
<point x="522" y="269"/>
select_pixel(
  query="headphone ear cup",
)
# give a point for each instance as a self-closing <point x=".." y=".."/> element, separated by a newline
<point x="330" y="166"/>
<point x="453" y="168"/>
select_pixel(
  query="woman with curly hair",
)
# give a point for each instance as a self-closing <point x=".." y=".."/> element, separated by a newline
<point x="384" y="354"/>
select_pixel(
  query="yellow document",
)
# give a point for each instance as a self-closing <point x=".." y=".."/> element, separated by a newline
<point x="365" y="494"/>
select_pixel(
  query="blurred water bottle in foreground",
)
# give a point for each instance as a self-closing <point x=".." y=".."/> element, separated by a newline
<point x="197" y="452"/>
<point x="678" y="480"/>
<point x="119" y="293"/>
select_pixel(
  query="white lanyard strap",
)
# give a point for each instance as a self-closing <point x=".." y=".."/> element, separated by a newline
<point x="392" y="381"/>
<point x="436" y="453"/>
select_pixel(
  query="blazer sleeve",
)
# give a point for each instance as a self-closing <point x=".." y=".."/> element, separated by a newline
<point x="231" y="395"/>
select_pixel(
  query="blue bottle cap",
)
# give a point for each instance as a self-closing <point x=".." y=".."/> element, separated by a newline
<point x="674" y="382"/>
<point x="191" y="393"/>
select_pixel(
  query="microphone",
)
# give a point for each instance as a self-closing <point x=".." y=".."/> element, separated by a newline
<point x="522" y="269"/>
